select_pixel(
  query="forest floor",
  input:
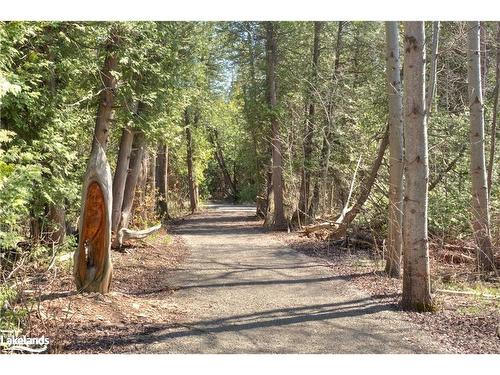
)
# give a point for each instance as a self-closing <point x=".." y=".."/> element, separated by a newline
<point x="220" y="283"/>
<point x="140" y="299"/>
<point x="462" y="323"/>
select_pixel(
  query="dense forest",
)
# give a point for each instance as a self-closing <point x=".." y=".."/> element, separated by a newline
<point x="379" y="132"/>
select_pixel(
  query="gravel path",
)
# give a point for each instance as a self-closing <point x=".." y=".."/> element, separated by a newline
<point x="243" y="291"/>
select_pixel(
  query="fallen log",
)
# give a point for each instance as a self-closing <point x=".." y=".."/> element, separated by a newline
<point x="456" y="258"/>
<point x="125" y="234"/>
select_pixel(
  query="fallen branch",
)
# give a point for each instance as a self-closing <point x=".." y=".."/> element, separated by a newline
<point x="455" y="258"/>
<point x="125" y="234"/>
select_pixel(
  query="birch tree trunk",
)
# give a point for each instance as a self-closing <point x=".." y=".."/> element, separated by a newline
<point x="120" y="177"/>
<point x="495" y="113"/>
<point x="431" y="90"/>
<point x="416" y="273"/>
<point x="394" y="240"/>
<point x="279" y="221"/>
<point x="480" y="204"/>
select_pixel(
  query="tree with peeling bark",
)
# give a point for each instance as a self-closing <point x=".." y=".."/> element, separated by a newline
<point x="416" y="272"/>
<point x="92" y="260"/>
<point x="395" y="219"/>
<point x="279" y="220"/>
<point x="480" y="202"/>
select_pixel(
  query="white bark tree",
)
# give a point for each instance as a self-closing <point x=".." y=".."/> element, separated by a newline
<point x="480" y="204"/>
<point x="416" y="273"/>
<point x="394" y="240"/>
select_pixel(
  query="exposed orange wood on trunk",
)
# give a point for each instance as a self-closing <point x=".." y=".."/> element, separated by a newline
<point x="93" y="233"/>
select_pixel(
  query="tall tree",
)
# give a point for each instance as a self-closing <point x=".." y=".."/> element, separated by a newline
<point x="92" y="261"/>
<point x="162" y="181"/>
<point x="480" y="203"/>
<point x="120" y="177"/>
<point x="279" y="220"/>
<point x="193" y="198"/>
<point x="416" y="273"/>
<point x="136" y="157"/>
<point x="305" y="183"/>
<point x="394" y="240"/>
<point x="495" y="112"/>
<point x="107" y="95"/>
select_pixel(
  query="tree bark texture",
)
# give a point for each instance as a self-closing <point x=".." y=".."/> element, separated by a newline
<point x="395" y="222"/>
<point x="480" y="204"/>
<point x="136" y="157"/>
<point x="120" y="177"/>
<point x="107" y="95"/>
<point x="279" y="220"/>
<point x="416" y="272"/>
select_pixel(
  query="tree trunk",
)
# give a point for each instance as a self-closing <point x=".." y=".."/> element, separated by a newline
<point x="483" y="56"/>
<point x="431" y="90"/>
<point x="120" y="177"/>
<point x="309" y="131"/>
<point x="416" y="273"/>
<point x="189" y="157"/>
<point x="279" y="221"/>
<point x="152" y="173"/>
<point x="394" y="240"/>
<point x="92" y="267"/>
<point x="142" y="181"/>
<point x="136" y="157"/>
<point x="480" y="204"/>
<point x="162" y="181"/>
<point x="107" y="96"/>
<point x="92" y="261"/>
<point x="57" y="227"/>
<point x="495" y="112"/>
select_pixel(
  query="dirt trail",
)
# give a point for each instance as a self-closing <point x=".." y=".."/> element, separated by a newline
<point x="243" y="291"/>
